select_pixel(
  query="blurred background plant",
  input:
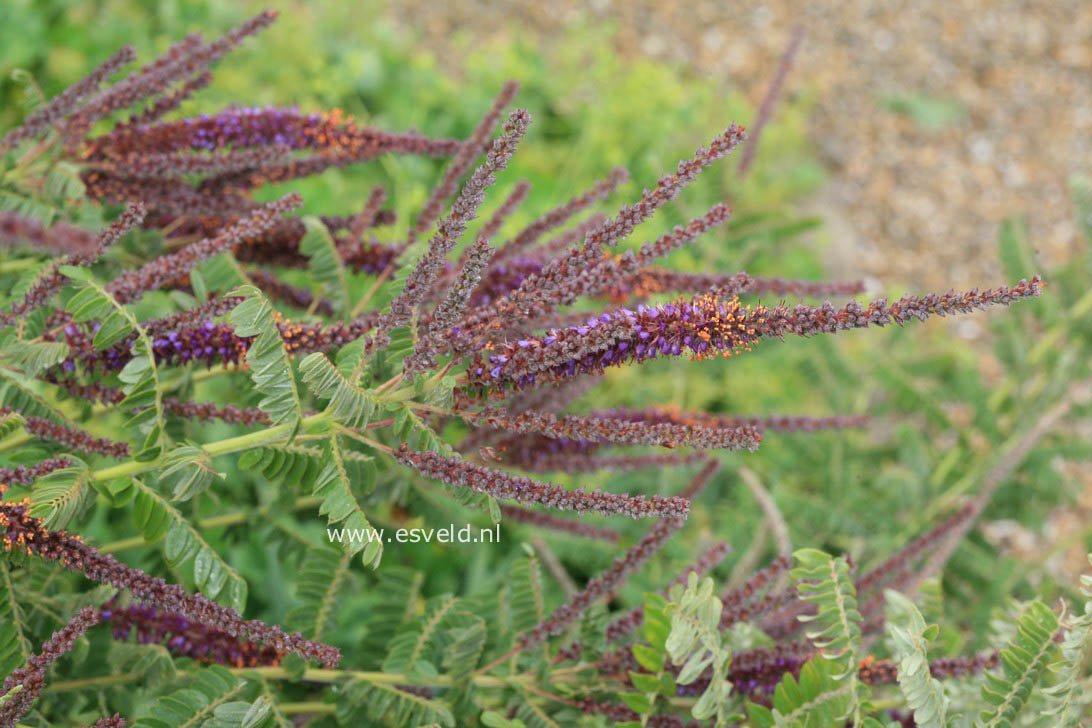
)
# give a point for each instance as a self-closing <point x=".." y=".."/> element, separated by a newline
<point x="945" y="412"/>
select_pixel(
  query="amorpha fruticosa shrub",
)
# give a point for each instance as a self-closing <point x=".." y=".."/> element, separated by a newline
<point x="356" y="400"/>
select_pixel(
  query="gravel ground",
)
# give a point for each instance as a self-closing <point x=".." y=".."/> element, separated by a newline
<point x="936" y="120"/>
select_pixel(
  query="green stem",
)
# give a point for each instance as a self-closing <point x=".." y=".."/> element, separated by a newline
<point x="14" y="266"/>
<point x="32" y="155"/>
<point x="430" y="408"/>
<point x="226" y="519"/>
<point x="92" y="682"/>
<point x="358" y="309"/>
<point x="393" y="678"/>
<point x="317" y="675"/>
<point x="393" y="381"/>
<point x="499" y="661"/>
<point x="364" y="439"/>
<point x="16" y="439"/>
<point x="582" y="667"/>
<point x="311" y="707"/>
<point x="389" y="678"/>
<point x="220" y="447"/>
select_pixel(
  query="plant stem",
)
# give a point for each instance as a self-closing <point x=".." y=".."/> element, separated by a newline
<point x="389" y="678"/>
<point x="16" y="439"/>
<point x="370" y="293"/>
<point x="311" y="707"/>
<point x="220" y="447"/>
<point x="499" y="661"/>
<point x="318" y="675"/>
<point x="550" y="696"/>
<point x="429" y="408"/>
<point x="14" y="266"/>
<point x="32" y="155"/>
<point x="574" y="669"/>
<point x="92" y="682"/>
<point x="393" y="381"/>
<point x="364" y="439"/>
<point x="226" y="519"/>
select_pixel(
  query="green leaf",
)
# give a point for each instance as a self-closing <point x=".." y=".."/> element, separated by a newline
<point x="156" y="518"/>
<point x="189" y="468"/>
<point x="637" y="702"/>
<point x="10" y="422"/>
<point x="907" y="630"/>
<point x="396" y="593"/>
<point x="644" y="682"/>
<point x="140" y="376"/>
<point x="238" y="713"/>
<point x="349" y="404"/>
<point x="363" y="702"/>
<point x="695" y="642"/>
<point x="111" y="331"/>
<point x="825" y="581"/>
<point x="33" y="98"/>
<point x="423" y="637"/>
<point x="197" y="703"/>
<point x="21" y="394"/>
<point x="292" y="464"/>
<point x="648" y="658"/>
<point x="417" y="433"/>
<point x="1067" y="699"/>
<point x="492" y="719"/>
<point x="525" y="600"/>
<point x="1022" y="664"/>
<point x="197" y="283"/>
<point x="60" y="496"/>
<point x="256" y="712"/>
<point x="818" y="700"/>
<point x="835" y="627"/>
<point x="15" y="646"/>
<point x="534" y="715"/>
<point x="335" y="486"/>
<point x="151" y="663"/>
<point x="33" y="357"/>
<point x="320" y="579"/>
<point x="324" y="261"/>
<point x="221" y="273"/>
<point x="464" y="648"/>
<point x="267" y="358"/>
